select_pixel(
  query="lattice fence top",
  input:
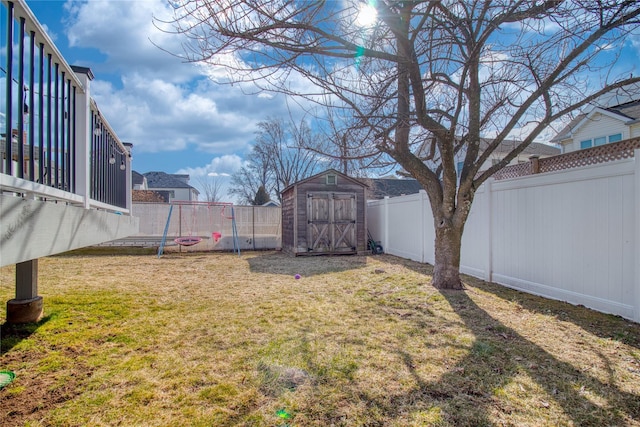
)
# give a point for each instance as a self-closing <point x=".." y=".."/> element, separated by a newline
<point x="589" y="156"/>
<point x="514" y="171"/>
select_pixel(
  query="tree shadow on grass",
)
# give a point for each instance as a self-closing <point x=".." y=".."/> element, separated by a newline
<point x="13" y="334"/>
<point x="305" y="266"/>
<point x="507" y="373"/>
<point x="502" y="362"/>
<point x="607" y="326"/>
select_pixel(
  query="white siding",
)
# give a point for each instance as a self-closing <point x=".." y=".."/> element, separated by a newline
<point x="181" y="194"/>
<point x="635" y="131"/>
<point x="596" y="126"/>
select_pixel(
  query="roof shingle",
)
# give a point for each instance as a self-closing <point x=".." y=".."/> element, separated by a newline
<point x="164" y="180"/>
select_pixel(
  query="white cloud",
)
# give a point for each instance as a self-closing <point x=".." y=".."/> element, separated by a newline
<point x="219" y="169"/>
<point x="125" y="33"/>
<point x="52" y="35"/>
<point x="544" y="26"/>
<point x="158" y="102"/>
<point x="222" y="166"/>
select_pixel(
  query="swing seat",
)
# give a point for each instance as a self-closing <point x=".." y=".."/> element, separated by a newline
<point x="216" y="236"/>
<point x="188" y="241"/>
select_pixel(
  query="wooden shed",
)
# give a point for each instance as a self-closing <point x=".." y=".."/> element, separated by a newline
<point x="324" y="214"/>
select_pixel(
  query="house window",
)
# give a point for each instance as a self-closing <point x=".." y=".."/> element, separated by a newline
<point x="615" y="138"/>
<point x="459" y="166"/>
<point x="601" y="140"/>
<point x="332" y="179"/>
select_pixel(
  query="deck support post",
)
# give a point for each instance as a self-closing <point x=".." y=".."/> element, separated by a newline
<point x="27" y="305"/>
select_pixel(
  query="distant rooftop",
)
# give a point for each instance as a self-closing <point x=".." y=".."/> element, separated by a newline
<point x="165" y="180"/>
<point x="535" y="148"/>
<point x="137" y="178"/>
<point x="628" y="110"/>
<point x="379" y="188"/>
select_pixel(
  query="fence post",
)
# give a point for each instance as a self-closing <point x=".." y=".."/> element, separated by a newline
<point x="488" y="269"/>
<point x="535" y="163"/>
<point x="423" y="227"/>
<point x="385" y="224"/>
<point x="636" y="160"/>
<point x="83" y="136"/>
<point x="27" y="305"/>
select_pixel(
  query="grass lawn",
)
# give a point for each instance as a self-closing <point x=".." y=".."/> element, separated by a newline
<point x="222" y="340"/>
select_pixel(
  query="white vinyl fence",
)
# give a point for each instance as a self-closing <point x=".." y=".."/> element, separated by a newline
<point x="570" y="235"/>
<point x="258" y="227"/>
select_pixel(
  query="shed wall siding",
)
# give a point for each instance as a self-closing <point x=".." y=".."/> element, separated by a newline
<point x="288" y="220"/>
<point x="295" y="207"/>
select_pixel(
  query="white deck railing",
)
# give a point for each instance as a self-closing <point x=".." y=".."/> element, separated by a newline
<point x="54" y="143"/>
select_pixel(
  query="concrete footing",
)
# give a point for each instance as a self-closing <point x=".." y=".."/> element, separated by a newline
<point x="25" y="310"/>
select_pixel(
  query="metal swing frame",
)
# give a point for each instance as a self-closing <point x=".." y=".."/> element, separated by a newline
<point x="193" y="240"/>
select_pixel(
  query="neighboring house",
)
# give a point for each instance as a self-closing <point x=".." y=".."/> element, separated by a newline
<point x="176" y="184"/>
<point x="600" y="125"/>
<point x="382" y="187"/>
<point x="379" y="188"/>
<point x="138" y="181"/>
<point x="536" y="149"/>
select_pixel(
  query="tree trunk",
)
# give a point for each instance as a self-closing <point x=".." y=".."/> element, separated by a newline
<point x="446" y="271"/>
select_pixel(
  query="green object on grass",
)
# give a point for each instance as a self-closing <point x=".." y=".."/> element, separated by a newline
<point x="283" y="414"/>
<point x="6" y="377"/>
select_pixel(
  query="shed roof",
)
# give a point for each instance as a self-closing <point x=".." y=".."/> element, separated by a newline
<point x="328" y="171"/>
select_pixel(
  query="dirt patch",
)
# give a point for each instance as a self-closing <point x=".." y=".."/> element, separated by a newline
<point x="33" y="395"/>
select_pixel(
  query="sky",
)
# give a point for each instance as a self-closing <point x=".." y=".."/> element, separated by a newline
<point x="176" y="117"/>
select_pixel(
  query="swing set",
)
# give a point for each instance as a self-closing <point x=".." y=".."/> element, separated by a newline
<point x="190" y="223"/>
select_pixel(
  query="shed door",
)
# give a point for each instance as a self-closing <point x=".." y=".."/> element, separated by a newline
<point x="331" y="219"/>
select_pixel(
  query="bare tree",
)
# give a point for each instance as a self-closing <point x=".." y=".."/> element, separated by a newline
<point x="211" y="187"/>
<point x="279" y="157"/>
<point x="428" y="79"/>
<point x="283" y="145"/>
<point x="345" y="141"/>
<point x="249" y="179"/>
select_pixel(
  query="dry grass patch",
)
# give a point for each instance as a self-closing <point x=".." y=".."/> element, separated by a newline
<point x="222" y="340"/>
